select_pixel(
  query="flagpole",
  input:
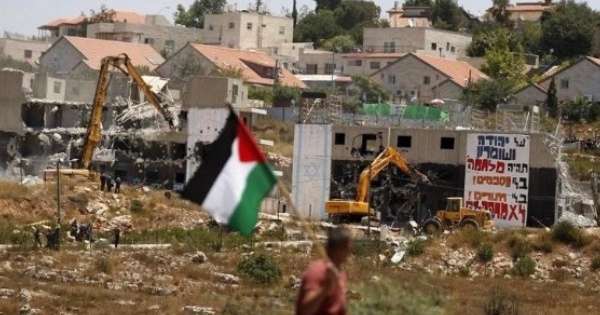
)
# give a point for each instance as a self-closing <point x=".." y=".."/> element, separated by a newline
<point x="303" y="223"/>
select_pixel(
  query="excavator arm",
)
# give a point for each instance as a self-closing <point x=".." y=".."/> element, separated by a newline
<point x="123" y="63"/>
<point x="385" y="158"/>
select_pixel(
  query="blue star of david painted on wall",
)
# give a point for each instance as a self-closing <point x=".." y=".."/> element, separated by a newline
<point x="311" y="170"/>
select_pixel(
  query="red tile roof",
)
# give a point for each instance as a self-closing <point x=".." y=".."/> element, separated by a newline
<point x="223" y="57"/>
<point x="118" y="16"/>
<point x="95" y="49"/>
<point x="457" y="71"/>
<point x="373" y="55"/>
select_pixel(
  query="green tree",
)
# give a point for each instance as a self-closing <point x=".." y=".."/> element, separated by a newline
<point x="317" y="27"/>
<point x="501" y="63"/>
<point x="353" y="16"/>
<point x="294" y="13"/>
<point x="575" y="110"/>
<point x="447" y="15"/>
<point x="500" y="13"/>
<point x="551" y="99"/>
<point x="327" y="4"/>
<point x="568" y="30"/>
<point x="417" y="3"/>
<point x="369" y="88"/>
<point x="194" y="15"/>
<point x="529" y="35"/>
<point x="339" y="43"/>
<point x="487" y="94"/>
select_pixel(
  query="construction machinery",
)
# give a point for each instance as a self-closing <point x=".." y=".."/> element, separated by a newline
<point x="94" y="130"/>
<point x="456" y="215"/>
<point x="338" y="208"/>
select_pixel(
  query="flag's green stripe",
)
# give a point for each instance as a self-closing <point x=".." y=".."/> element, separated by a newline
<point x="259" y="183"/>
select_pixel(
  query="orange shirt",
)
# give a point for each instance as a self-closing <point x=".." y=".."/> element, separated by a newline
<point x="314" y="278"/>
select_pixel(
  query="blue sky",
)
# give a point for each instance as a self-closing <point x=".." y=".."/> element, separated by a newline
<point x="25" y="16"/>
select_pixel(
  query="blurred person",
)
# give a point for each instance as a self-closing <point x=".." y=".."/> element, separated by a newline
<point x="323" y="288"/>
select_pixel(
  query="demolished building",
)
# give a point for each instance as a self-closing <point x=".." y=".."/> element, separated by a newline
<point x="44" y="121"/>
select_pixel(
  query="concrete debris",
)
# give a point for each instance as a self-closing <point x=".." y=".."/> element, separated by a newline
<point x="192" y="309"/>
<point x="577" y="219"/>
<point x="153" y="308"/>
<point x="199" y="258"/>
<point x="227" y="278"/>
<point x="278" y="160"/>
<point x="4" y="293"/>
<point x="27" y="310"/>
<point x="25" y="295"/>
<point x="398" y="256"/>
<point x="125" y="302"/>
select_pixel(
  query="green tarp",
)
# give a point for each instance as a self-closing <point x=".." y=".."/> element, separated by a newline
<point x="416" y="112"/>
<point x="381" y="109"/>
<point x="424" y="113"/>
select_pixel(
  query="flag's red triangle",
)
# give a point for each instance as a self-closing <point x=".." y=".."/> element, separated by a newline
<point x="248" y="149"/>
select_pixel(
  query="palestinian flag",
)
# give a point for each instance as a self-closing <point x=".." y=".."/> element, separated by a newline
<point x="233" y="179"/>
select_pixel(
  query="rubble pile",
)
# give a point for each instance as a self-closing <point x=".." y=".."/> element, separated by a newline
<point x="279" y="160"/>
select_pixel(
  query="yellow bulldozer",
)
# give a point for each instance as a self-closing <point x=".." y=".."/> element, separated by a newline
<point x="122" y="63"/>
<point x="455" y="215"/>
<point x="338" y="208"/>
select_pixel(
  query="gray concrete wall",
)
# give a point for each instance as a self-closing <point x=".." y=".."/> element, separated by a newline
<point x="16" y="49"/>
<point x="11" y="98"/>
<point x="408" y="75"/>
<point x="242" y="35"/>
<point x="583" y="78"/>
<point x="80" y="91"/>
<point x="185" y="62"/>
<point x="319" y="58"/>
<point x="530" y="96"/>
<point x="425" y="145"/>
<point x="62" y="57"/>
<point x="49" y="88"/>
<point x="413" y="39"/>
<point x="368" y="65"/>
<point x="311" y="174"/>
<point x="213" y="92"/>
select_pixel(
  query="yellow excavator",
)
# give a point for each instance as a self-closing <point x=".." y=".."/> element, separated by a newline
<point x="360" y="207"/>
<point x="94" y="130"/>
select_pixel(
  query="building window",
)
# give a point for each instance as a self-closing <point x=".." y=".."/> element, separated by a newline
<point x="231" y="25"/>
<point x="57" y="87"/>
<point x="564" y="84"/>
<point x="375" y="65"/>
<point x="281" y="30"/>
<point x="447" y="46"/>
<point x="426" y="80"/>
<point x="71" y="32"/>
<point x="340" y="138"/>
<point x="311" y="69"/>
<point x="149" y="41"/>
<point x="210" y="28"/>
<point x="392" y="79"/>
<point x="28" y="54"/>
<point x="453" y="49"/>
<point x="447" y="143"/>
<point x="433" y="46"/>
<point x="389" y="47"/>
<point x="329" y="68"/>
<point x="234" y="93"/>
<point x="404" y="141"/>
<point x="355" y="63"/>
<point x="249" y="26"/>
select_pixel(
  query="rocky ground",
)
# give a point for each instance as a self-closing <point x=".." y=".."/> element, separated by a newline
<point x="197" y="270"/>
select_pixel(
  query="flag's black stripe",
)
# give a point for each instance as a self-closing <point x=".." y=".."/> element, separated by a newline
<point x="200" y="184"/>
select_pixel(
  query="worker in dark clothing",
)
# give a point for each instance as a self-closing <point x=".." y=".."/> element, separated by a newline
<point x="118" y="185"/>
<point x="102" y="181"/>
<point x="110" y="182"/>
<point x="117" y="232"/>
<point x="37" y="241"/>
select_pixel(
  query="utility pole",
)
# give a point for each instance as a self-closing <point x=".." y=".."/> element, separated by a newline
<point x="369" y="201"/>
<point x="58" y="190"/>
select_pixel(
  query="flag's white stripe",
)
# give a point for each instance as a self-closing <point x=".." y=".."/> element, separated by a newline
<point x="226" y="192"/>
